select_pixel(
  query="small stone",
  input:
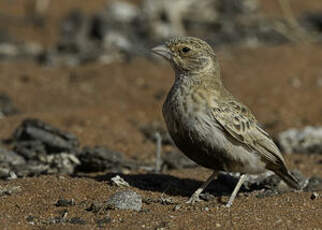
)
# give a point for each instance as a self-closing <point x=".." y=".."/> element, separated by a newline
<point x="176" y="208"/>
<point x="4" y="172"/>
<point x="119" y="181"/>
<point x="63" y="213"/>
<point x="166" y="201"/>
<point x="10" y="158"/>
<point x="55" y="220"/>
<point x="31" y="220"/>
<point x="128" y="200"/>
<point x="95" y="207"/>
<point x="314" y="195"/>
<point x="9" y="190"/>
<point x="162" y="226"/>
<point x="65" y="203"/>
<point x="314" y="184"/>
<point x="207" y="196"/>
<point x="6" y="106"/>
<point x="102" y="222"/>
<point x="146" y="210"/>
<point x="77" y="220"/>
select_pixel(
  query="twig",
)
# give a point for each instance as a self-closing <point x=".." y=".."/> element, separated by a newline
<point x="158" y="161"/>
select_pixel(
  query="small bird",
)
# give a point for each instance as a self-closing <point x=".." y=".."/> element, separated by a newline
<point x="208" y="124"/>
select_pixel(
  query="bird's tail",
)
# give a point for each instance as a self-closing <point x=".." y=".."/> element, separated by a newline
<point x="289" y="179"/>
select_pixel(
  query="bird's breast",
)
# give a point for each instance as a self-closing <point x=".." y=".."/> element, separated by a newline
<point x="185" y="113"/>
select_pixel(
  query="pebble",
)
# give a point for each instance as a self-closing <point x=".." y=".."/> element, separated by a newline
<point x="128" y="200"/>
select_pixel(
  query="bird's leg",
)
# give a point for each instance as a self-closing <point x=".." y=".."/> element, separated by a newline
<point x="241" y="180"/>
<point x="195" y="196"/>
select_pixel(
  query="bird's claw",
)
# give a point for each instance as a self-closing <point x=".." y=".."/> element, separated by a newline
<point x="193" y="199"/>
<point x="228" y="205"/>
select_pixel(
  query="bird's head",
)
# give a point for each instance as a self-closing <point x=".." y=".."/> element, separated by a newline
<point x="187" y="54"/>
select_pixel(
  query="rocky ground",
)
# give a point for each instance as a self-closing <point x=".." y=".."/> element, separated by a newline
<point x="79" y="109"/>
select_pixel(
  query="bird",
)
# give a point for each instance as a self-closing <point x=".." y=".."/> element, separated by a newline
<point x="208" y="124"/>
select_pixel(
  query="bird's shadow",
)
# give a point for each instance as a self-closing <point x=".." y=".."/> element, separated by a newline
<point x="171" y="185"/>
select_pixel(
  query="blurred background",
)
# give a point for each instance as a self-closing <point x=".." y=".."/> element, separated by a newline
<point x="80" y="91"/>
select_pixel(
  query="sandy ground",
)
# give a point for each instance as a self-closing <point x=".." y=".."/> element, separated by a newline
<point x="106" y="105"/>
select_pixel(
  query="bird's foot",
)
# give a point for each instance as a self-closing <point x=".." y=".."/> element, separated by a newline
<point x="194" y="198"/>
<point x="229" y="204"/>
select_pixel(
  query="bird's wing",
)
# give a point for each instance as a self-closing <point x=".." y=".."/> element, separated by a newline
<point x="239" y="122"/>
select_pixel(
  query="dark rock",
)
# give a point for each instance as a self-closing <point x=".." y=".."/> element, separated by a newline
<point x="76" y="45"/>
<point x="7" y="108"/>
<point x="162" y="200"/>
<point x="314" y="195"/>
<point x="47" y="150"/>
<point x="4" y="172"/>
<point x="207" y="196"/>
<point x="128" y="200"/>
<point x="267" y="193"/>
<point x="63" y="213"/>
<point x="55" y="220"/>
<point x="150" y="130"/>
<point x="61" y="163"/>
<point x="314" y="184"/>
<point x="176" y="160"/>
<point x="31" y="168"/>
<point x="307" y="140"/>
<point x="13" y="50"/>
<point x="95" y="207"/>
<point x="102" y="222"/>
<point x="163" y="225"/>
<point x="65" y="203"/>
<point x="54" y="140"/>
<point x="313" y="21"/>
<point x="30" y="150"/>
<point x="77" y="220"/>
<point x="72" y="28"/>
<point x="167" y="201"/>
<point x="39" y="149"/>
<point x="31" y="219"/>
<point x="99" y="159"/>
<point x="9" y="160"/>
<point x="8" y="157"/>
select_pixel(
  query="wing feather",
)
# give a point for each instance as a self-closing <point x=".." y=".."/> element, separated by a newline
<point x="238" y="121"/>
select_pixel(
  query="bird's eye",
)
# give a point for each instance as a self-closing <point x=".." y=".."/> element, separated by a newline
<point x="185" y="49"/>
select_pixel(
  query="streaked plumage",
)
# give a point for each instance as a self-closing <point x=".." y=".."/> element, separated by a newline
<point x="208" y="124"/>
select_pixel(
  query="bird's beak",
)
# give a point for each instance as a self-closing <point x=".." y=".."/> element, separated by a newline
<point x="162" y="51"/>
